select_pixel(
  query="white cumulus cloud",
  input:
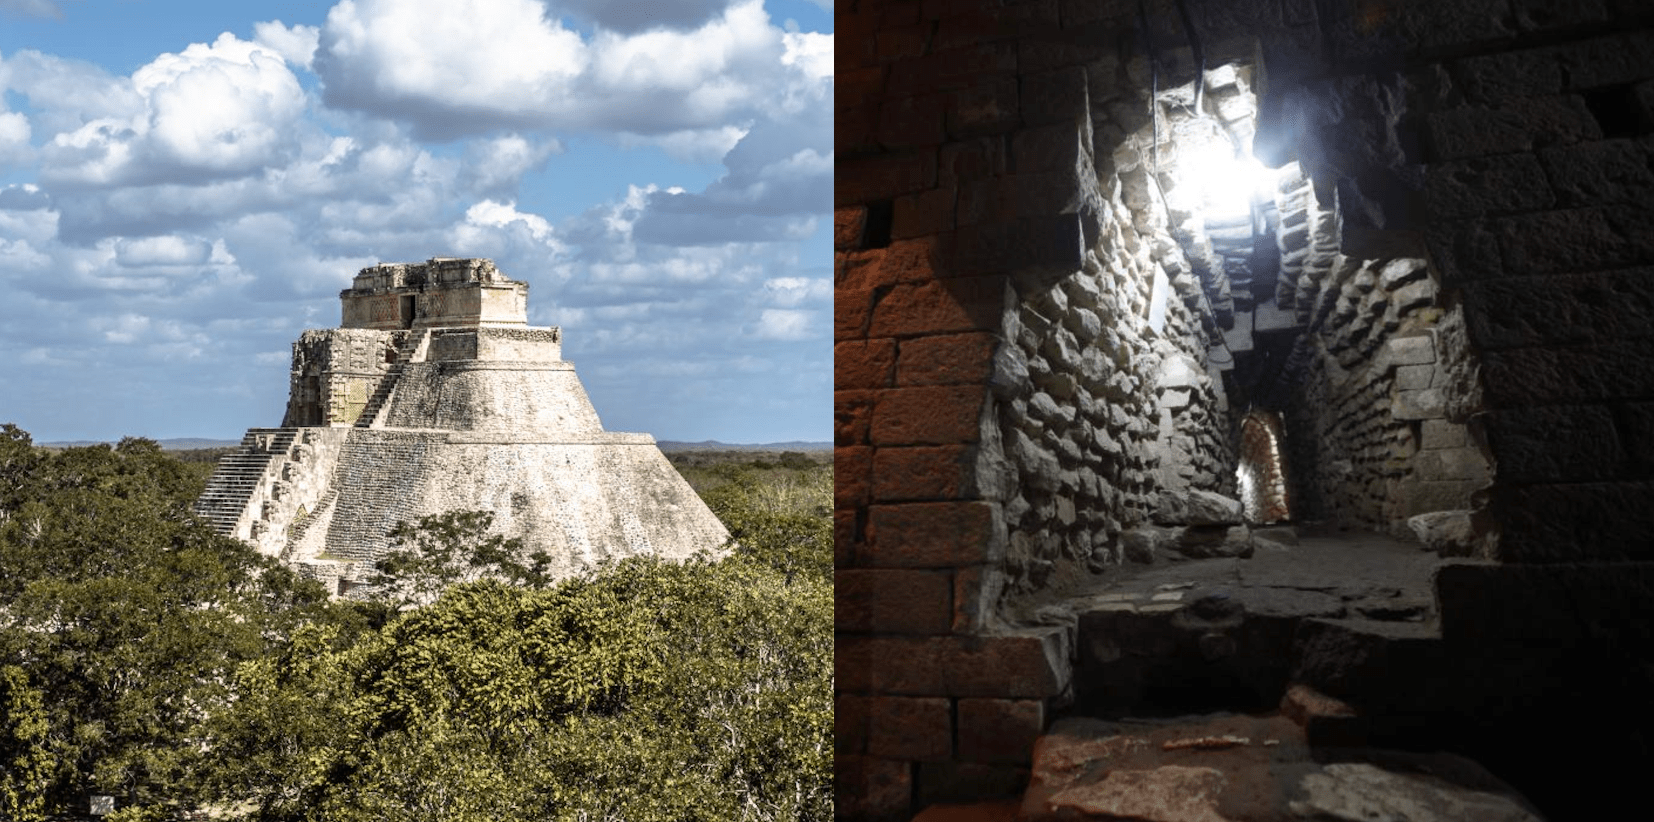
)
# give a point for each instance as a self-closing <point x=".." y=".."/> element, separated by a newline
<point x="783" y="324"/>
<point x="296" y="44"/>
<point x="225" y="109"/>
<point x="473" y="66"/>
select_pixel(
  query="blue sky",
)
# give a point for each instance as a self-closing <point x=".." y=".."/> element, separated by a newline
<point x="186" y="185"/>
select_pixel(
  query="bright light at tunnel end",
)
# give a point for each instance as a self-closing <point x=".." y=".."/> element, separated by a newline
<point x="1228" y="184"/>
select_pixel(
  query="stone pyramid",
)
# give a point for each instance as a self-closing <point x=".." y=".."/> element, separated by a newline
<point x="435" y="395"/>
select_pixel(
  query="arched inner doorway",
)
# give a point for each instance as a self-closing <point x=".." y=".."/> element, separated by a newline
<point x="1260" y="474"/>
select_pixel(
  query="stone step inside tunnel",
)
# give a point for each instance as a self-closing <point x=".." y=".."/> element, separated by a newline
<point x="1189" y="351"/>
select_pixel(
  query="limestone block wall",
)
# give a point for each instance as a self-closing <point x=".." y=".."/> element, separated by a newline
<point x="433" y="294"/>
<point x="294" y="487"/>
<point x="334" y="373"/>
<point x="488" y="395"/>
<point x="581" y="500"/>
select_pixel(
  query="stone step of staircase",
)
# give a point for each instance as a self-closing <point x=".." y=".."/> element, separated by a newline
<point x="405" y="351"/>
<point x="239" y="473"/>
<point x="1305" y="761"/>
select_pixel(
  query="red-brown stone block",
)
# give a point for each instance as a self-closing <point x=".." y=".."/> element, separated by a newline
<point x="844" y="538"/>
<point x="954" y="69"/>
<point x="850" y="723"/>
<point x="893" y="601"/>
<point x="888" y="664"/>
<point x="911" y="260"/>
<point x="924" y="213"/>
<point x="852" y="307"/>
<point x="911" y="122"/>
<point x="916" y="728"/>
<point x="933" y="534"/>
<point x="1029" y="665"/>
<point x="970" y="160"/>
<point x="999" y="730"/>
<point x="883" y="176"/>
<point x="852" y="476"/>
<point x="975" y="592"/>
<point x="864" y="364"/>
<point x="989" y="109"/>
<point x="852" y="416"/>
<point x="1033" y="665"/>
<point x="870" y="788"/>
<point x="940" y="307"/>
<point x="928" y="415"/>
<point x="848" y="225"/>
<point x="925" y="473"/>
<point x="953" y="359"/>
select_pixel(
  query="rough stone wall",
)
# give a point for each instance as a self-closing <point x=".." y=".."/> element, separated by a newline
<point x="1020" y="371"/>
<point x="1102" y="410"/>
<point x="1371" y="373"/>
<point x="1511" y="136"/>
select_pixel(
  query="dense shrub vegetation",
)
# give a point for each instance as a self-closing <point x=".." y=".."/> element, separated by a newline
<point x="145" y="657"/>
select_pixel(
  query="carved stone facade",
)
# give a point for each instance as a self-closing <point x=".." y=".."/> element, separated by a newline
<point x="435" y="395"/>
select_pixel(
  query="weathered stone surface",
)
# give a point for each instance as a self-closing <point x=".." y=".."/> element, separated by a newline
<point x="1517" y="126"/>
<point x="1555" y="443"/>
<point x="1170" y="793"/>
<point x="1142" y="543"/>
<point x="1442" y="434"/>
<point x="867" y="787"/>
<point x="1211" y="508"/>
<point x="1206" y="541"/>
<point x="1448" y="533"/>
<point x="999" y="730"/>
<point x="892" y="600"/>
<point x="1561" y="241"/>
<point x="1429" y="403"/>
<point x="1280" y="537"/>
<point x="1358" y="792"/>
<point x="1536" y="311"/>
<point x="1004" y="810"/>
<point x="436" y="396"/>
<point x="1470" y="188"/>
<point x="1325" y="720"/>
<point x="1251" y="768"/>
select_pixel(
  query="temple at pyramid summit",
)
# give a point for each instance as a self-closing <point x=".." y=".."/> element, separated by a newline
<point x="435" y="395"/>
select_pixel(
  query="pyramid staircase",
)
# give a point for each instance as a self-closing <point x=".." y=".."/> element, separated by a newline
<point x="406" y="350"/>
<point x="239" y="475"/>
<point x="302" y="527"/>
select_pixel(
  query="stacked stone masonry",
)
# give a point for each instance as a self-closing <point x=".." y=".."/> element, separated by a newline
<point x="1037" y="341"/>
<point x="465" y="410"/>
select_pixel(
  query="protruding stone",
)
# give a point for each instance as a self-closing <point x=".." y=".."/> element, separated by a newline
<point x="1169" y="793"/>
<point x="1140" y="544"/>
<point x="1208" y="541"/>
<point x="1211" y="508"/>
<point x="1360" y="791"/>
<point x="1448" y="533"/>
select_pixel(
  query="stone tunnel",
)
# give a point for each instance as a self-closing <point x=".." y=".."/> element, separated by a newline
<point x="1129" y="291"/>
